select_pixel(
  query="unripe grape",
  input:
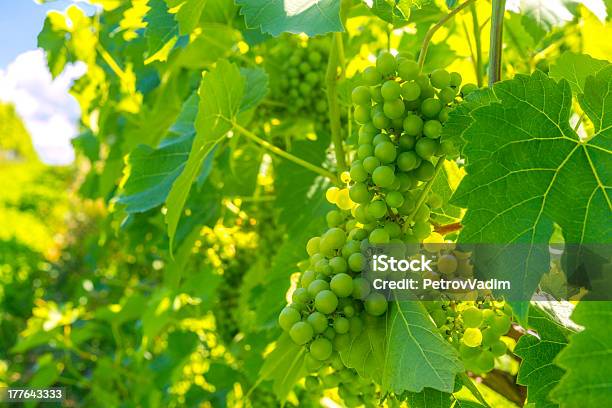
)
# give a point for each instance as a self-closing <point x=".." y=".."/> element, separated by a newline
<point x="427" y="91"/>
<point x="326" y="301"/>
<point x="379" y="236"/>
<point x="338" y="264"/>
<point x="356" y="261"/>
<point x="364" y="151"/>
<point x="370" y="164"/>
<point x="430" y="107"/>
<point x="334" y="218"/>
<point x="393" y="229"/>
<point x="379" y="138"/>
<point x="318" y="321"/>
<point x="455" y="79"/>
<point x="394" y="109"/>
<point x="311" y="382"/>
<point x="312" y="78"/>
<point x="501" y="324"/>
<point x="350" y="248"/>
<point x="312" y="365"/>
<point x="489" y="336"/>
<point x="444" y="114"/>
<point x="375" y="94"/>
<point x="312" y="247"/>
<point x="358" y="173"/>
<point x="406" y="208"/>
<point x="342" y="285"/>
<point x="307" y="278"/>
<point x="440" y="78"/>
<point x="447" y="95"/>
<point x="469" y="353"/>
<point x="468" y="89"/>
<point x="317" y="286"/>
<point x="407" y="161"/>
<point x="385" y="63"/>
<point x="408" y="70"/>
<point x="300" y="296"/>
<point x="380" y="120"/>
<point x="385" y="152"/>
<point x="422" y="214"/>
<point x="472" y="337"/>
<point x="390" y="90"/>
<point x="488" y="316"/>
<point x="377" y="209"/>
<point x="395" y="199"/>
<point x="485" y="361"/>
<point x="359" y="193"/>
<point x="375" y="304"/>
<point x="425" y="171"/>
<point x="407" y="142"/>
<point x="411" y="91"/>
<point x="321" y="349"/>
<point x="367" y="129"/>
<point x="371" y="76"/>
<point x="472" y="317"/>
<point x="413" y="125"/>
<point x="432" y="129"/>
<point x="301" y="333"/>
<point x="498" y="348"/>
<point x="421" y="230"/>
<point x="425" y="147"/>
<point x="362" y="113"/>
<point x="334" y="237"/>
<point x="361" y="95"/>
<point x="341" y="325"/>
<point x="383" y="176"/>
<point x="288" y="317"/>
<point x="361" y="288"/>
<point x="447" y="264"/>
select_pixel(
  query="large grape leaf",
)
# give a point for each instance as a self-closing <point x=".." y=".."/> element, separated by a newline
<point x="575" y="68"/>
<point x="429" y="398"/>
<point x="367" y="350"/>
<point x="537" y="352"/>
<point x="416" y="355"/>
<point x="527" y="169"/>
<point x="220" y="94"/>
<point x="284" y="366"/>
<point x="188" y="14"/>
<point x="587" y="359"/>
<point x="162" y="31"/>
<point x="312" y="17"/>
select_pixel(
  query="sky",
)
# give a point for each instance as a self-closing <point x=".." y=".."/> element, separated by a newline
<point x="48" y="111"/>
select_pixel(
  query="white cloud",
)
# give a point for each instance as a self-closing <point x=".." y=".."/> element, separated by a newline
<point x="50" y="113"/>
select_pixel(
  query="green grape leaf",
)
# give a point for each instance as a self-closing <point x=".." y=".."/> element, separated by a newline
<point x="214" y="41"/>
<point x="527" y="169"/>
<point x="587" y="359"/>
<point x="394" y="12"/>
<point x="188" y="15"/>
<point x="220" y="94"/>
<point x="52" y="39"/>
<point x="367" y="350"/>
<point x="429" y="398"/>
<point x="312" y="17"/>
<point x="537" y="371"/>
<point x="416" y="355"/>
<point x="257" y="87"/>
<point x="162" y="31"/>
<point x="575" y="68"/>
<point x="284" y="366"/>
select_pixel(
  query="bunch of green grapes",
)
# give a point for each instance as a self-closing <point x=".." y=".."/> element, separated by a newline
<point x="354" y="390"/>
<point x="302" y="64"/>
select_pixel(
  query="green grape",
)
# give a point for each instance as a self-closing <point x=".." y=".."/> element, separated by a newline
<point x="468" y="89"/>
<point x="432" y="129"/>
<point x="385" y="63"/>
<point x="425" y="147"/>
<point x="311" y="364"/>
<point x="375" y="304"/>
<point x="421" y="230"/>
<point x="371" y="76"/>
<point x="446" y="147"/>
<point x="358" y="173"/>
<point x="488" y="316"/>
<point x="312" y="247"/>
<point x="444" y="114"/>
<point x="311" y="382"/>
<point x="300" y="296"/>
<point x="427" y="91"/>
<point x="381" y="137"/>
<point x="359" y="234"/>
<point x="364" y="151"/>
<point x="498" y="348"/>
<point x="455" y="79"/>
<point x="472" y="337"/>
<point x="338" y="264"/>
<point x="383" y="176"/>
<point x="288" y="317"/>
<point x="341" y="324"/>
<point x="447" y="95"/>
<point x="361" y="95"/>
<point x="367" y="129"/>
<point x="485" y="361"/>
<point x="380" y="120"/>
<point x="348" y="310"/>
<point x="317" y="286"/>
<point x="301" y="333"/>
<point x="422" y="213"/>
<point x="375" y="94"/>
<point x="361" y="288"/>
<point x="334" y="218"/>
<point x="342" y="342"/>
<point x="305" y="88"/>
<point x="394" y="109"/>
<point x="377" y="209"/>
<point x="395" y="199"/>
<point x="408" y="70"/>
<point x="334" y="237"/>
<point x="469" y="353"/>
<point x="425" y="171"/>
<point x="472" y="317"/>
<point x="397" y="124"/>
<point x="326" y="301"/>
<point x="318" y="321"/>
<point x="393" y="229"/>
<point x="350" y="248"/>
<point x="307" y="277"/>
<point x="312" y="78"/>
<point x="362" y="113"/>
<point x="447" y="264"/>
<point x="407" y="142"/>
<point x="385" y="152"/>
<point x="342" y="285"/>
<point x="321" y="349"/>
<point x="379" y="236"/>
<point x="407" y="207"/>
<point x="359" y="193"/>
<point x="411" y="91"/>
<point x="440" y="78"/>
<point x="489" y="336"/>
<point x="356" y="262"/>
<point x="501" y="324"/>
<point x="322" y="266"/>
<point x="370" y="164"/>
<point x="390" y="90"/>
<point x="413" y="125"/>
<point x="430" y="107"/>
<point x="407" y="161"/>
<point x="304" y="67"/>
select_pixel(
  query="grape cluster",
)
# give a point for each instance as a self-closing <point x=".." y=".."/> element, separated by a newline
<point x="302" y="65"/>
<point x="354" y="390"/>
<point x="474" y="329"/>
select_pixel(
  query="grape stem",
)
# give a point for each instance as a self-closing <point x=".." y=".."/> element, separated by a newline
<point x="430" y="33"/>
<point x="285" y="155"/>
<point x="425" y="190"/>
<point x="478" y="44"/>
<point x="495" y="49"/>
